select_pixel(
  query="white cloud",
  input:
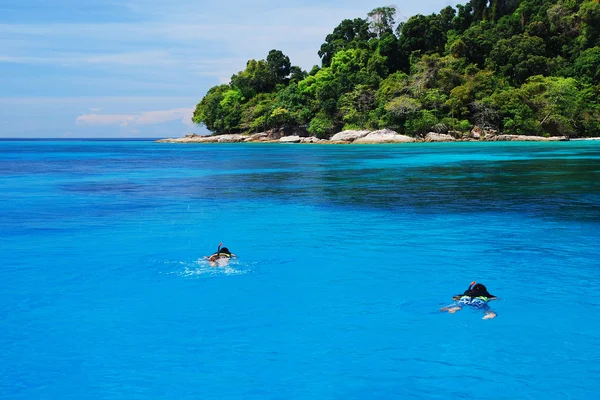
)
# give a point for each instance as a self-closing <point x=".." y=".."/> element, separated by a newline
<point x="157" y="117"/>
<point x="106" y="119"/>
<point x="188" y="41"/>
<point x="138" y="119"/>
<point x="95" y="104"/>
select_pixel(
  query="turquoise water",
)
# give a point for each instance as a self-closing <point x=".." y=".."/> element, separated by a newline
<point x="345" y="255"/>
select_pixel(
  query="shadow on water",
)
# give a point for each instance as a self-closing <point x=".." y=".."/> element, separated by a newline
<point x="550" y="180"/>
<point x="547" y="187"/>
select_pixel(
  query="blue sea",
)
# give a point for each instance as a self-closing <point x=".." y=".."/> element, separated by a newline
<point x="345" y="255"/>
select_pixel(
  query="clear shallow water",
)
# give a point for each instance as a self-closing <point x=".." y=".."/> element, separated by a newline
<point x="346" y="253"/>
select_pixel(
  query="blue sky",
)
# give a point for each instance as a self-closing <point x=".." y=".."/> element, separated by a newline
<point x="137" y="68"/>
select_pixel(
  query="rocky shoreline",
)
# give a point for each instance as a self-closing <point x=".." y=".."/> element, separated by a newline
<point x="362" y="137"/>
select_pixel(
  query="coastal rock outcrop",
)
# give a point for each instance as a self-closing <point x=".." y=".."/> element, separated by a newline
<point x="438" y="137"/>
<point x="384" y="136"/>
<point x="362" y="137"/>
<point x="525" y="138"/>
<point x="348" y="136"/>
<point x="191" y="139"/>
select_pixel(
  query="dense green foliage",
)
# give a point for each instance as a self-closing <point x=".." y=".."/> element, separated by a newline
<point x="529" y="67"/>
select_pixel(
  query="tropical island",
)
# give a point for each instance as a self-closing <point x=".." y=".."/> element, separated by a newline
<point x="487" y="70"/>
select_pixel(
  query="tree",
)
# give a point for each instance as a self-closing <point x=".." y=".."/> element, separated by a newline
<point x="446" y="17"/>
<point x="355" y="107"/>
<point x="475" y="43"/>
<point x="587" y="65"/>
<point x="388" y="47"/>
<point x="464" y="18"/>
<point x="381" y="20"/>
<point x="321" y="126"/>
<point x="402" y="107"/>
<point x="281" y="117"/>
<point x="208" y="111"/>
<point x="515" y="114"/>
<point x="256" y="111"/>
<point x="297" y="74"/>
<point x="393" y="86"/>
<point x="590" y="15"/>
<point x="556" y="102"/>
<point x="297" y="103"/>
<point x="421" y="122"/>
<point x="258" y="77"/>
<point x="477" y="87"/>
<point x="519" y="57"/>
<point x="421" y="33"/>
<point x="231" y="107"/>
<point x="349" y="34"/>
<point x="279" y="65"/>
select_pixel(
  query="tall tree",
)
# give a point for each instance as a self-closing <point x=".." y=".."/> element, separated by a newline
<point x="382" y="20"/>
<point x="279" y="65"/>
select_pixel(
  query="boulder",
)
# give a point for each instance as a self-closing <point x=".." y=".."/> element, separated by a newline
<point x="476" y="132"/>
<point x="384" y="136"/>
<point x="233" y="138"/>
<point x="276" y="134"/>
<point x="311" y="139"/>
<point x="205" y="139"/>
<point x="348" y="136"/>
<point x="438" y="137"/>
<point x="258" y="137"/>
<point x="290" y="139"/>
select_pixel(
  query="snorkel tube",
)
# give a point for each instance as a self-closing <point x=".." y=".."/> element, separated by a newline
<point x="469" y="290"/>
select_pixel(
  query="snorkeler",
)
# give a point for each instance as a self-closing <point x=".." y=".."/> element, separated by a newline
<point x="221" y="256"/>
<point x="475" y="296"/>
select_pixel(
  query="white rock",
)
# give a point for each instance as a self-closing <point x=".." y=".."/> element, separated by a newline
<point x="290" y="139"/>
<point x="257" y="137"/>
<point x="385" y="136"/>
<point x="348" y="136"/>
<point x="230" y="138"/>
<point x="311" y="139"/>
<point x="438" y="137"/>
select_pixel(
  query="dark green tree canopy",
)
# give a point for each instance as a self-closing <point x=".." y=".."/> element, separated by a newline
<point x="279" y="65"/>
<point x="349" y="34"/>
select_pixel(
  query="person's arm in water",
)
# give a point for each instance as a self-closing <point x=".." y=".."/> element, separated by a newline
<point x="215" y="256"/>
<point x="490" y="296"/>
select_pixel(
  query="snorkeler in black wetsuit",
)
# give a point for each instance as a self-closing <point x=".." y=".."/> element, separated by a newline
<point x="220" y="254"/>
<point x="475" y="296"/>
